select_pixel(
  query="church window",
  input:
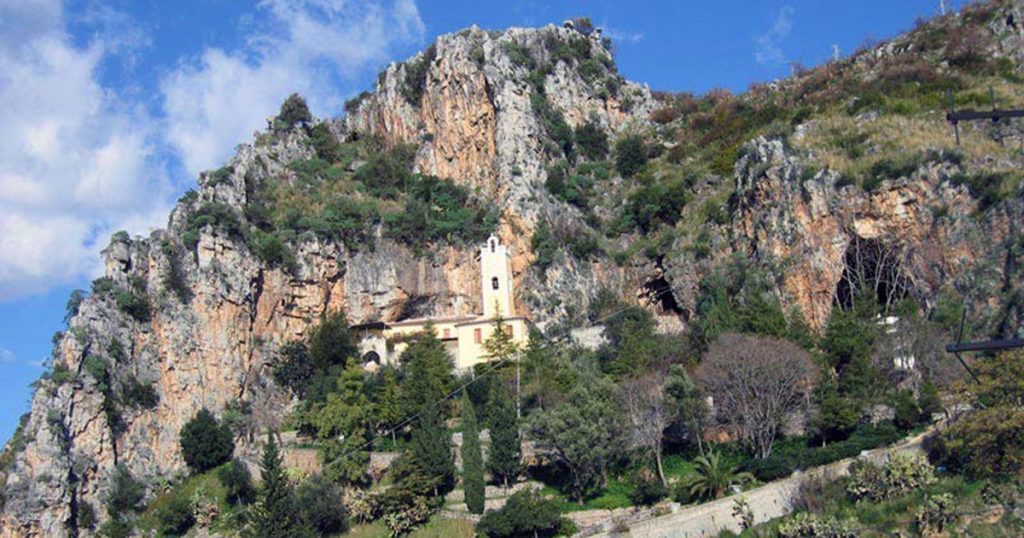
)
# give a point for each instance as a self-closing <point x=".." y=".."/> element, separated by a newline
<point x="478" y="336"/>
<point x="494" y="282"/>
<point x="447" y="333"/>
<point x="508" y="330"/>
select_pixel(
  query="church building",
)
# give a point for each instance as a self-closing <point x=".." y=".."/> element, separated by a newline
<point x="463" y="336"/>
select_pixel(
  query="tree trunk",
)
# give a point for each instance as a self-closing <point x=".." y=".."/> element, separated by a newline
<point x="698" y="434"/>
<point x="661" y="472"/>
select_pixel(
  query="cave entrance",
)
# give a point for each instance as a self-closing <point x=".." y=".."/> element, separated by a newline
<point x="658" y="292"/>
<point x="873" y="267"/>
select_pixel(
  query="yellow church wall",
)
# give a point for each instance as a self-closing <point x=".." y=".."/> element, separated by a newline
<point x="471" y="352"/>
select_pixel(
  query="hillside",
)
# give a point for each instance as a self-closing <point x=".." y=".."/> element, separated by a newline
<point x="770" y="212"/>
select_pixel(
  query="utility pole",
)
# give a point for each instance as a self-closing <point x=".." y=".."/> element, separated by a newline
<point x="518" y="397"/>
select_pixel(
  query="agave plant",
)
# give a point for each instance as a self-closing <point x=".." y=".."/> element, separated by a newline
<point x="712" y="478"/>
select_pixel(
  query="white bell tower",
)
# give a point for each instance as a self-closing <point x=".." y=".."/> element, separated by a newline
<point x="496" y="279"/>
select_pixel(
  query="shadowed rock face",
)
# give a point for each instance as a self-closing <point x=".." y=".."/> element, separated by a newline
<point x="474" y="122"/>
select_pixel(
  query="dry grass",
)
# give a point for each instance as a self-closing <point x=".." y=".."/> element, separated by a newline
<point x="887" y="137"/>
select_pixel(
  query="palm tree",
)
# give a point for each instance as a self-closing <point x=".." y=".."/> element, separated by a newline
<point x="711" y="479"/>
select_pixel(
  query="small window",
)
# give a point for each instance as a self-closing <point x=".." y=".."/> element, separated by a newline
<point x="447" y="333"/>
<point x="508" y="330"/>
<point x="494" y="282"/>
<point x="492" y="246"/>
<point x="478" y="336"/>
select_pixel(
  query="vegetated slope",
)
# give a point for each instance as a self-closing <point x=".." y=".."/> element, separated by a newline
<point x="796" y="193"/>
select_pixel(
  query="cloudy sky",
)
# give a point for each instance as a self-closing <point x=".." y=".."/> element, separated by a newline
<point x="108" y="109"/>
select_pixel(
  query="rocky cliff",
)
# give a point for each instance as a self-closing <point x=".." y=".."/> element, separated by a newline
<point x="477" y="106"/>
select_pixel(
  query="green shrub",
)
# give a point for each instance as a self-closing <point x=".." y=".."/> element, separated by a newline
<point x="986" y="188"/>
<point x="518" y="54"/>
<point x="658" y="203"/>
<point x="387" y="173"/>
<point x="575" y="49"/>
<point x="86" y="516"/>
<point x="416" y="75"/>
<point x="270" y="249"/>
<point x="175" y="516"/>
<point x="126" y="493"/>
<point x="902" y="474"/>
<point x="439" y="210"/>
<point x="103" y="285"/>
<point x="592" y="141"/>
<point x="526" y="513"/>
<point x="544" y="245"/>
<point x="237" y="482"/>
<point x="138" y="394"/>
<point x="321" y="506"/>
<point x="986" y="442"/>
<point x="205" y="442"/>
<point x="218" y="215"/>
<point x="116" y="528"/>
<point x="553" y="122"/>
<point x="324" y="143"/>
<point x="62" y="374"/>
<point x="352" y="221"/>
<point x="647" y="488"/>
<point x="134" y="301"/>
<point x="294" y="111"/>
<point x="804" y="525"/>
<point x="908" y="414"/>
<point x="220" y="176"/>
<point x="630" y="155"/>
<point x="893" y="169"/>
<point x="175" y="279"/>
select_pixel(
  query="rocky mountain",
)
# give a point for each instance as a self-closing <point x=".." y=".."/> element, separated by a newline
<point x="840" y="173"/>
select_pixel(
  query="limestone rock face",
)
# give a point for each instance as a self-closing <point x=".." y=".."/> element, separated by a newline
<point x="475" y="120"/>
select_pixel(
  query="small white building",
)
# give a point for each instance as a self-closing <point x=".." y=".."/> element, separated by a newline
<point x="384" y="342"/>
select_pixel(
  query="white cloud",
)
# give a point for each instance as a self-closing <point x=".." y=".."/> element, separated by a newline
<point x="620" y="36"/>
<point x="79" y="160"/>
<point x="6" y="355"/>
<point x="218" y="99"/>
<point x="769" y="52"/>
<point x="76" y="163"/>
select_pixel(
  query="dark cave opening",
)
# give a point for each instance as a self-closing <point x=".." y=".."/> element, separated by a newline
<point x="875" y="267"/>
<point x="659" y="292"/>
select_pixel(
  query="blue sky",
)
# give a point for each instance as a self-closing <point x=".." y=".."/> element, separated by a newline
<point x="110" y="108"/>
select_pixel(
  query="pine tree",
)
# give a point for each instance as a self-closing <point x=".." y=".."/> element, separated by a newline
<point x="504" y="459"/>
<point x="275" y="515"/>
<point x="387" y="403"/>
<point x="432" y="450"/>
<point x="472" y="459"/>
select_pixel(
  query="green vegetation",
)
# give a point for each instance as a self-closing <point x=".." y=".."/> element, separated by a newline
<point x="416" y="75"/>
<point x="294" y="112"/>
<point x="526" y="513"/>
<point x="504" y="460"/>
<point x="205" y="442"/>
<point x="630" y="155"/>
<point x="472" y="460"/>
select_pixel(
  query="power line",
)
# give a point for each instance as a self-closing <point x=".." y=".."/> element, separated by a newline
<point x="493" y="366"/>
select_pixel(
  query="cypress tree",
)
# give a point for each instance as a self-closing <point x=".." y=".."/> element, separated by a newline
<point x="504" y="460"/>
<point x="432" y="450"/>
<point x="472" y="460"/>
<point x="428" y="376"/>
<point x="275" y="516"/>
